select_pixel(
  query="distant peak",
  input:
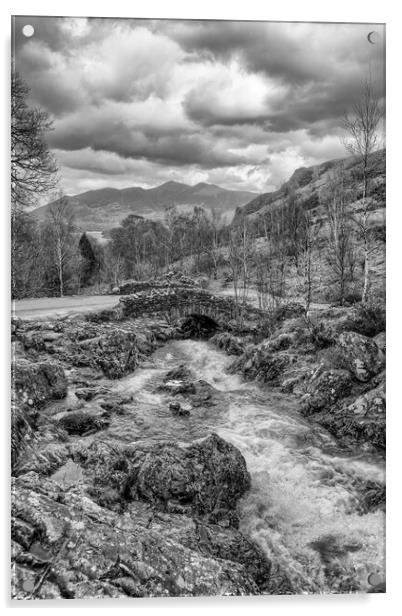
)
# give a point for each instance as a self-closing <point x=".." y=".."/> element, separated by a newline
<point x="172" y="183"/>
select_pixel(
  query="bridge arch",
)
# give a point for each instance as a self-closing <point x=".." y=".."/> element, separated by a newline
<point x="199" y="325"/>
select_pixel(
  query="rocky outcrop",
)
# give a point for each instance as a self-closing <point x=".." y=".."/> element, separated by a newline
<point x="116" y="353"/>
<point x="362" y="420"/>
<point x="35" y="383"/>
<point x="66" y="546"/>
<point x="204" y="478"/>
<point x="260" y="363"/>
<point x="324" y="389"/>
<point x="362" y="355"/>
<point x="142" y="520"/>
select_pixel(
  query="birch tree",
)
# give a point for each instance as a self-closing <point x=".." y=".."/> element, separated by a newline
<point x="59" y="230"/>
<point x="362" y="128"/>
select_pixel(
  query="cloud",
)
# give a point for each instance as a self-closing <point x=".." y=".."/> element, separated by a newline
<point x="230" y="95"/>
<point x="240" y="104"/>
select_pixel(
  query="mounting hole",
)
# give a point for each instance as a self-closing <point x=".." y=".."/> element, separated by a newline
<point x="28" y="30"/>
<point x="28" y="585"/>
<point x="374" y="579"/>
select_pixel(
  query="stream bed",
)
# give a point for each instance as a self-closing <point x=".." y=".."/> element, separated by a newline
<point x="304" y="507"/>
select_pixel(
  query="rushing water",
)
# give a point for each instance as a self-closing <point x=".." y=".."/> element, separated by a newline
<point x="303" y="505"/>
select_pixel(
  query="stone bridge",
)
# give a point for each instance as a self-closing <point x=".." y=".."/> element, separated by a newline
<point x="178" y="302"/>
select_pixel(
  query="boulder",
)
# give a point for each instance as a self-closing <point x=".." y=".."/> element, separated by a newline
<point x="361" y="354"/>
<point x="205" y="394"/>
<point x="360" y="421"/>
<point x="35" y="383"/>
<point x="371" y="403"/>
<point x="203" y="478"/>
<point x="116" y="353"/>
<point x="180" y="373"/>
<point x="178" y="409"/>
<point x="381" y="342"/>
<point x="259" y="363"/>
<point x="84" y="422"/>
<point x="178" y="387"/>
<point x="87" y="393"/>
<point x="324" y="389"/>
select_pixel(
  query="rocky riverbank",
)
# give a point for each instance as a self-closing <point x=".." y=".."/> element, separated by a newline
<point x="99" y="518"/>
<point x="333" y="362"/>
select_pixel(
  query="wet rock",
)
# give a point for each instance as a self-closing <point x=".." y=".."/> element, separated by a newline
<point x="100" y="553"/>
<point x="17" y="348"/>
<point x="372" y="497"/>
<point x="324" y="389"/>
<point x="360" y="421"/>
<point x="35" y="383"/>
<point x="178" y="409"/>
<point x="21" y="432"/>
<point x="116" y="350"/>
<point x="259" y="363"/>
<point x="46" y="460"/>
<point x="381" y="341"/>
<point x="203" y="478"/>
<point x="371" y="403"/>
<point x="116" y="354"/>
<point x="213" y="541"/>
<point x="178" y="387"/>
<point x="84" y="422"/>
<point x="181" y="373"/>
<point x="33" y="340"/>
<point x="362" y="355"/>
<point x="332" y="547"/>
<point x="204" y="395"/>
<point x="88" y="393"/>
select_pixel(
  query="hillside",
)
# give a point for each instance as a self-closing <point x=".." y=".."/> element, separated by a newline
<point x="307" y="182"/>
<point x="100" y="210"/>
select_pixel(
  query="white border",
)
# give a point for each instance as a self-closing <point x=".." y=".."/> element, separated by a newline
<point x="286" y="10"/>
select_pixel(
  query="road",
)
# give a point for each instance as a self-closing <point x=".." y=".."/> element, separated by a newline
<point x="58" y="307"/>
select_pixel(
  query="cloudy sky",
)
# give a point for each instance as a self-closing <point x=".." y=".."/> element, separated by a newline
<point x="239" y="104"/>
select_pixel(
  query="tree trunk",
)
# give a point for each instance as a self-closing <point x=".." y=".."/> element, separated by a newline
<point x="366" y="269"/>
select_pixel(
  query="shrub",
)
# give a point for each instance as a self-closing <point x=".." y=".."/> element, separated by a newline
<point x="321" y="335"/>
<point x="369" y="319"/>
<point x="333" y="358"/>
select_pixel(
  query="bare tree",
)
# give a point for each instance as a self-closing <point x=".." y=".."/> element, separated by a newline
<point x="339" y="241"/>
<point x="362" y="140"/>
<point x="309" y="233"/>
<point x="33" y="167"/>
<point x="241" y="253"/>
<point x="59" y="230"/>
<point x="216" y="226"/>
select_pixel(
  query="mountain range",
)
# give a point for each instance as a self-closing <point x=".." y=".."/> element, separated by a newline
<point x="103" y="209"/>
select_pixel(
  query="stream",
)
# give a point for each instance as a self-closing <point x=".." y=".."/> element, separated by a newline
<point x="302" y="509"/>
